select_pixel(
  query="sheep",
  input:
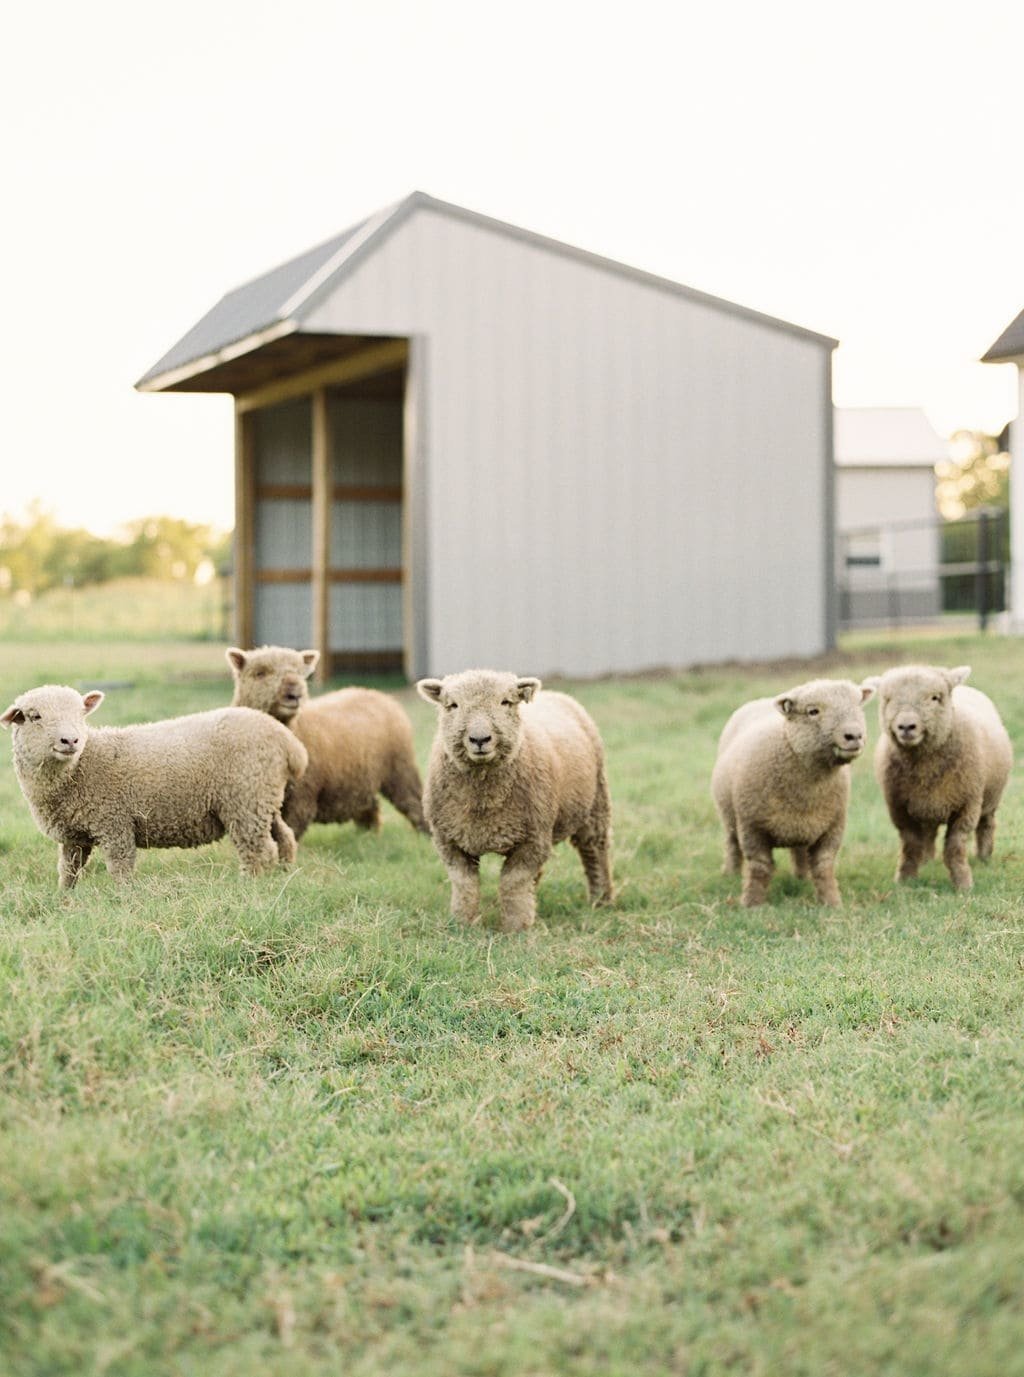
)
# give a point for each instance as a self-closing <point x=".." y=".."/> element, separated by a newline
<point x="779" y="780"/>
<point x="943" y="759"/>
<point x="359" y="741"/>
<point x="514" y="770"/>
<point x="183" y="782"/>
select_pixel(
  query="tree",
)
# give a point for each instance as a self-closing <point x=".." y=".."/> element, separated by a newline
<point x="977" y="474"/>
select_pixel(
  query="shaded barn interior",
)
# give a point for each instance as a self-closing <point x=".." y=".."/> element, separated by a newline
<point x="362" y="425"/>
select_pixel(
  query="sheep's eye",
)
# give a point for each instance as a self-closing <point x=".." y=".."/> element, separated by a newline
<point x="507" y="703"/>
<point x="33" y="716"/>
<point x="936" y="697"/>
<point x="813" y="712"/>
<point x="449" y="706"/>
<point x="259" y="673"/>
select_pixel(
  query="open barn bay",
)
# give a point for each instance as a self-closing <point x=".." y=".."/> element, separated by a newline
<point x="306" y="1124"/>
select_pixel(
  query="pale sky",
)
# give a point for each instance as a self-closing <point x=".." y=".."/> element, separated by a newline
<point x="856" y="169"/>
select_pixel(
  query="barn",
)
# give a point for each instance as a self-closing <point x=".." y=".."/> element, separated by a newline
<point x="458" y="442"/>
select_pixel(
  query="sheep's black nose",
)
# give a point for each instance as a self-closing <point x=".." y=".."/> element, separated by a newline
<point x="70" y="741"/>
<point x="480" y="740"/>
<point x="853" y="738"/>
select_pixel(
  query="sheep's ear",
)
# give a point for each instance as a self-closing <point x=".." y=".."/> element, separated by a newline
<point x="958" y="675"/>
<point x="527" y="688"/>
<point x="430" y="689"/>
<point x="869" y="687"/>
<point x="13" y="717"/>
<point x="310" y="660"/>
<point x="92" y="700"/>
<point x="785" y="703"/>
<point x="236" y="659"/>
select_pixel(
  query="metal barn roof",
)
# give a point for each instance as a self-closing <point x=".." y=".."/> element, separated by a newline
<point x="886" y="437"/>
<point x="1009" y="345"/>
<point x="274" y="305"/>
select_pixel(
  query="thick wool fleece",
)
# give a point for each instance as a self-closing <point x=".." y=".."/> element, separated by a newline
<point x="183" y="782"/>
<point x="359" y="741"/>
<point x="514" y="770"/>
<point x="943" y="759"/>
<point x="780" y="780"/>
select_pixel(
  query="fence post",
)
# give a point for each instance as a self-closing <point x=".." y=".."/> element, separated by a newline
<point x="981" y="569"/>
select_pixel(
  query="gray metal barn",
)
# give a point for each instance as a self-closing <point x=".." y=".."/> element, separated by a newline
<point x="460" y="443"/>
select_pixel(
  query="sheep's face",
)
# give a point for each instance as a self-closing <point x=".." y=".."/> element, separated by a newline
<point x="272" y="679"/>
<point x="478" y="714"/>
<point x="825" y="720"/>
<point x="915" y="704"/>
<point x="49" y="724"/>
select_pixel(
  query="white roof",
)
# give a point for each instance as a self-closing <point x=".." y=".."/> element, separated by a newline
<point x="887" y="437"/>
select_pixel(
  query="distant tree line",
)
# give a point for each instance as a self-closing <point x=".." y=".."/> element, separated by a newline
<point x="36" y="553"/>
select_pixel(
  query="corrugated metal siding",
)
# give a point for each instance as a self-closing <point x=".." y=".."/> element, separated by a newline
<point x="283" y="614"/>
<point x="366" y="451"/>
<point x="282" y="439"/>
<point x="618" y="478"/>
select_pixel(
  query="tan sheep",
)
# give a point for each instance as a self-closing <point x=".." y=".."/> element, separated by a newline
<point x="942" y="759"/>
<point x="183" y="782"/>
<point x="359" y="741"/>
<point x="779" y="780"/>
<point x="514" y="770"/>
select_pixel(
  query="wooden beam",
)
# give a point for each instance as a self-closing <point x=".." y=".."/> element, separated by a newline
<point x="284" y="576"/>
<point x="341" y="492"/>
<point x="365" y="576"/>
<point x="377" y="358"/>
<point x="321" y="535"/>
<point x="356" y="575"/>
<point x="245" y="527"/>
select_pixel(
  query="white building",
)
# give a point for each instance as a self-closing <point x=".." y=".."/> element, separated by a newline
<point x="886" y="517"/>
<point x="1009" y="348"/>
<point x="460" y="443"/>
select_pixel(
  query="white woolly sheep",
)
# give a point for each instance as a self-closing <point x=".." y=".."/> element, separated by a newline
<point x="942" y="759"/>
<point x="779" y="781"/>
<point x="359" y="741"/>
<point x="514" y="770"/>
<point x="183" y="782"/>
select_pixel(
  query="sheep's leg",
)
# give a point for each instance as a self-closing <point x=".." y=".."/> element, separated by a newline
<point x="801" y="861"/>
<point x="822" y="864"/>
<point x="517" y="887"/>
<point x="252" y="835"/>
<point x="71" y="859"/>
<point x="986" y="836"/>
<point x="757" y="869"/>
<point x="594" y="853"/>
<point x="402" y="788"/>
<point x="958" y="834"/>
<point x="464" y="876"/>
<point x="732" y="862"/>
<point x="298" y="809"/>
<point x="285" y="839"/>
<point x="368" y="818"/>
<point x="917" y="844"/>
<point x="593" y="843"/>
<point x="119" y="854"/>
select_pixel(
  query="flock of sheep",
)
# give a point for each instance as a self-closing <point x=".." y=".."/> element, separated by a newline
<point x="513" y="770"/>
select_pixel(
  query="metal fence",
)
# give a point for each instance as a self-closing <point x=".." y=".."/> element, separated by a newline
<point x="911" y="572"/>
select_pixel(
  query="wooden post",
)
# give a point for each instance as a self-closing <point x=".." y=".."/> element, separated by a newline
<point x="321" y="535"/>
<point x="245" y="525"/>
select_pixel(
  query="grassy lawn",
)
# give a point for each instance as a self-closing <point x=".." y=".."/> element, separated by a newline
<point x="307" y="1125"/>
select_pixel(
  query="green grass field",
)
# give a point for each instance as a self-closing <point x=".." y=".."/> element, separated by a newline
<point x="306" y="1125"/>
